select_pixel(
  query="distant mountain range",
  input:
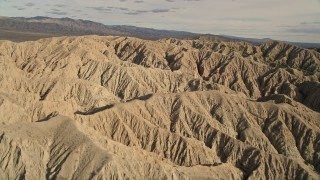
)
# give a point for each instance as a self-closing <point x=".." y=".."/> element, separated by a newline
<point x="33" y="28"/>
<point x="264" y="40"/>
<point x="68" y="26"/>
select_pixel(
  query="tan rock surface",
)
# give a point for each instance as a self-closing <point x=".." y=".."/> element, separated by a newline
<point x="115" y="107"/>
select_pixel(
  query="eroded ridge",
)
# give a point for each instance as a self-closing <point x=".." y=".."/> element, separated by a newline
<point x="95" y="107"/>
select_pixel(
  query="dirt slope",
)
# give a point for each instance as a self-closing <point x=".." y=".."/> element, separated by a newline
<point x="115" y="107"/>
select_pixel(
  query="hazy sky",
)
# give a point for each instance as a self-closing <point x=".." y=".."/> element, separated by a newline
<point x="293" y="20"/>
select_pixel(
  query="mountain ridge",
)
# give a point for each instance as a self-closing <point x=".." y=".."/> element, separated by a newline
<point x="68" y="26"/>
<point x="167" y="108"/>
<point x="34" y="28"/>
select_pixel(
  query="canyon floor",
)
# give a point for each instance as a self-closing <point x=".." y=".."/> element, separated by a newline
<point x="107" y="107"/>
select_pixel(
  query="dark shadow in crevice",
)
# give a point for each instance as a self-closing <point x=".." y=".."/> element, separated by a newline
<point x="95" y="110"/>
<point x="142" y="98"/>
<point x="51" y="115"/>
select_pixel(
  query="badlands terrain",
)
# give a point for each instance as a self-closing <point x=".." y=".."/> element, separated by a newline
<point x="93" y="107"/>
